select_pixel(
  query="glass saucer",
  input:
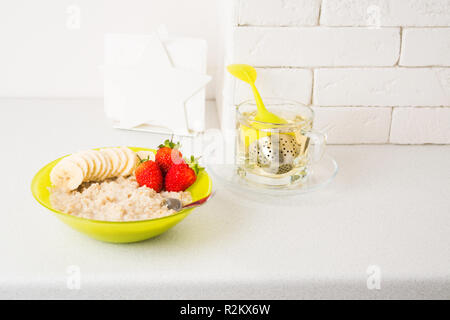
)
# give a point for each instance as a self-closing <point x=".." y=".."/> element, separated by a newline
<point x="320" y="175"/>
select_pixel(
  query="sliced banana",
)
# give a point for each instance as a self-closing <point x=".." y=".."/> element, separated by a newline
<point x="123" y="160"/>
<point x="132" y="161"/>
<point x="79" y="161"/>
<point x="128" y="158"/>
<point x="117" y="162"/>
<point x="95" y="165"/>
<point x="146" y="155"/>
<point x="95" y="162"/>
<point x="66" y="175"/>
<point x="113" y="159"/>
<point x="106" y="166"/>
<point x="90" y="163"/>
<point x="107" y="154"/>
<point x="100" y="166"/>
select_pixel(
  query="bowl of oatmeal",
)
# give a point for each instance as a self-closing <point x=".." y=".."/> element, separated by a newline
<point x="115" y="209"/>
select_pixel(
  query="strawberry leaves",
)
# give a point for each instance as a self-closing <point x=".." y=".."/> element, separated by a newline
<point x="142" y="160"/>
<point x="170" y="144"/>
<point x="193" y="164"/>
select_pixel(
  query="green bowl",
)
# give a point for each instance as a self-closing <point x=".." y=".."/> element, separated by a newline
<point x="117" y="231"/>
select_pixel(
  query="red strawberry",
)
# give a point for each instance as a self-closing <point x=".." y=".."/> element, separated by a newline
<point x="168" y="155"/>
<point x="149" y="174"/>
<point x="181" y="176"/>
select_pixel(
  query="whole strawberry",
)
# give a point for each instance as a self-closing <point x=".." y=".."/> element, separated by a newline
<point x="181" y="176"/>
<point x="149" y="174"/>
<point x="168" y="155"/>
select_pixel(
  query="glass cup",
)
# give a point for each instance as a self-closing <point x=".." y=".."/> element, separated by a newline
<point x="277" y="154"/>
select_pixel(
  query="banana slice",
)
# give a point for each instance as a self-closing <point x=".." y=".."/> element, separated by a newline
<point x="89" y="162"/>
<point x="106" y="166"/>
<point x="92" y="157"/>
<point x="66" y="175"/>
<point x="123" y="160"/>
<point x="126" y="160"/>
<point x="103" y="173"/>
<point x="100" y="166"/>
<point x="128" y="156"/>
<point x="132" y="162"/>
<point x="79" y="161"/>
<point x="146" y="154"/>
<point x="113" y="159"/>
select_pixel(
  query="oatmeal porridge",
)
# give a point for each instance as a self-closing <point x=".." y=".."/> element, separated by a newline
<point x="116" y="199"/>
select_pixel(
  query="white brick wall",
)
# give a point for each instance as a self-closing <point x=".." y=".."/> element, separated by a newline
<point x="375" y="71"/>
<point x="300" y="47"/>
<point x="404" y="13"/>
<point x="426" y="47"/>
<point x="420" y="125"/>
<point x="293" y="84"/>
<point x="353" y="124"/>
<point x="382" y="87"/>
<point x="279" y="12"/>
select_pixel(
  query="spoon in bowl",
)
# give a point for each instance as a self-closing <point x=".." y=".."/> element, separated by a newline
<point x="177" y="205"/>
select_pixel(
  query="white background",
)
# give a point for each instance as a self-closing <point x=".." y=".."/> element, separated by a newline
<point x="41" y="57"/>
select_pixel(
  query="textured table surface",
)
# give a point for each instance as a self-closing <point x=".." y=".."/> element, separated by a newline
<point x="386" y="218"/>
